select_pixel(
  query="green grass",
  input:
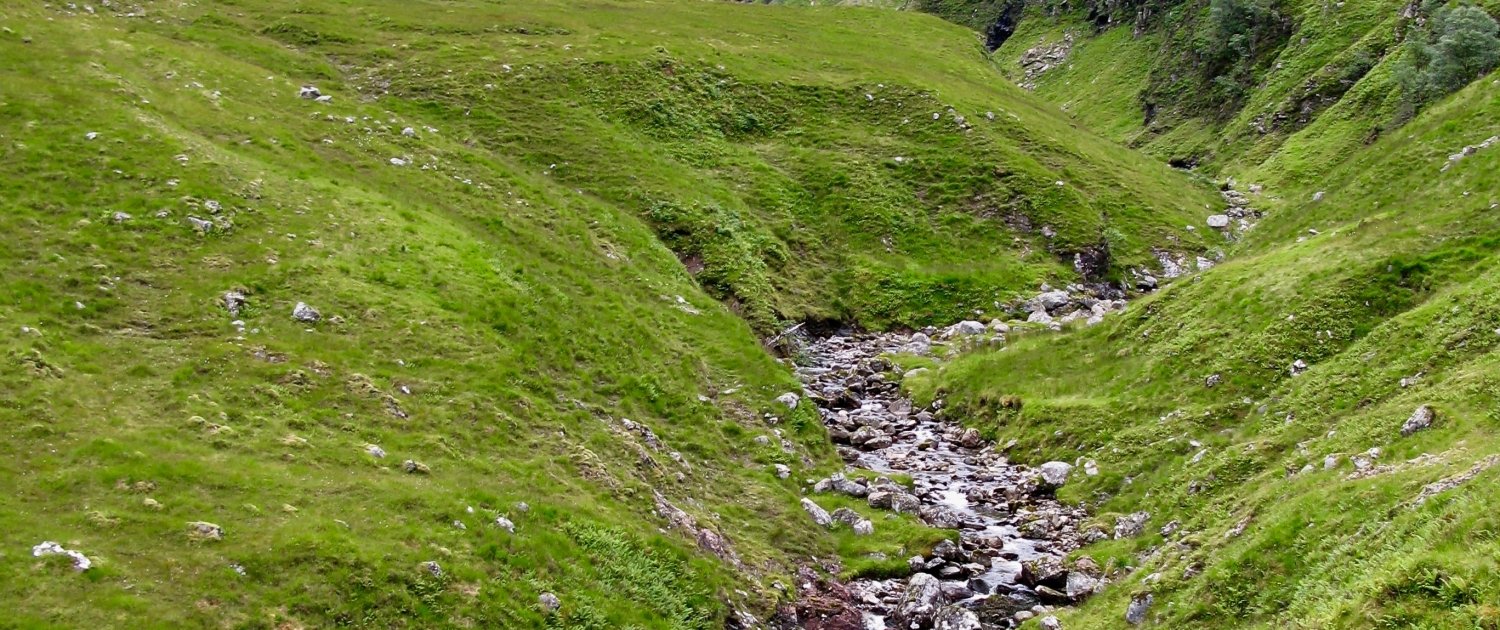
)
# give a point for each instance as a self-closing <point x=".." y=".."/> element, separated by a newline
<point x="603" y="204"/>
<point x="1399" y="281"/>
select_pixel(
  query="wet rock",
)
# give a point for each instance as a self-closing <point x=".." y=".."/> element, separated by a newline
<point x="971" y="438"/>
<point x="1046" y="570"/>
<point x="818" y="514"/>
<point x="1418" y="420"/>
<point x="919" y="602"/>
<point x="955" y="618"/>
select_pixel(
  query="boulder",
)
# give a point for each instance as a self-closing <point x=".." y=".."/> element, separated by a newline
<point x="306" y="314"/>
<point x="1055" y="474"/>
<point x="1080" y="585"/>
<point x="955" y="618"/>
<point x="203" y="530"/>
<point x="1131" y="525"/>
<point x="970" y="438"/>
<point x="505" y="524"/>
<point x="1218" y="221"/>
<point x="309" y="92"/>
<point x="1050" y="623"/>
<point x="1420" y="419"/>
<point x="919" y="602"/>
<point x="789" y="399"/>
<point x="234" y="302"/>
<point x="1046" y="570"/>
<point x="818" y="514"/>
<point x="967" y="328"/>
<point x="864" y="527"/>
<point x="1135" y="613"/>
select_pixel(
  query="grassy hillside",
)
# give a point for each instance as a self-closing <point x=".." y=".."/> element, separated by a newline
<point x="1198" y="412"/>
<point x="521" y="225"/>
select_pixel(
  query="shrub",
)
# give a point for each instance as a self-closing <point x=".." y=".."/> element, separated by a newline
<point x="1457" y="45"/>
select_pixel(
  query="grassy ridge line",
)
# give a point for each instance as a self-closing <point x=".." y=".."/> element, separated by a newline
<point x="707" y="124"/>
<point x="1395" y="283"/>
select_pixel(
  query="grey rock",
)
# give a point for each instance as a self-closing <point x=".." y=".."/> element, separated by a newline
<point x="1050" y="623"/>
<point x="955" y="618"/>
<point x="968" y="328"/>
<point x="204" y="530"/>
<point x="1080" y="585"/>
<point x="864" y="527"/>
<point x="1055" y="474"/>
<point x="306" y="314"/>
<point x="234" y="301"/>
<point x="818" y="514"/>
<point x="789" y="399"/>
<point x="783" y="471"/>
<point x="1418" y="420"/>
<point x="1131" y="525"/>
<point x="414" y="467"/>
<point x="505" y="524"/>
<point x="374" y="451"/>
<point x="549" y="602"/>
<point x="309" y="92"/>
<point x="1218" y="221"/>
<point x="919" y="601"/>
<point x="432" y="568"/>
<point x="1135" y="613"/>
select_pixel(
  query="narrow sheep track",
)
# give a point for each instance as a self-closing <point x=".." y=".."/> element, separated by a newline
<point x="1008" y="565"/>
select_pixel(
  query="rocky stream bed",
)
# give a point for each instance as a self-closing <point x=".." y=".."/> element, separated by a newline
<point x="1008" y="565"/>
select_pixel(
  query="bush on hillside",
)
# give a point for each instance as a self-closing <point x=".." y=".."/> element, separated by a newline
<point x="1457" y="45"/>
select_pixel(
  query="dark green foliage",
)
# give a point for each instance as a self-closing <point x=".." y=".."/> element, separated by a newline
<point x="1458" y="44"/>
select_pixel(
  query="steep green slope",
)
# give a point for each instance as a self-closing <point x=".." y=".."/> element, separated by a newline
<point x="1377" y="271"/>
<point x="499" y="215"/>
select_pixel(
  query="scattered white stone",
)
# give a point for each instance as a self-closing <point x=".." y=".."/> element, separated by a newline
<point x="1218" y="221"/>
<point x="789" y="399"/>
<point x="49" y="548"/>
<point x="91" y="135"/>
<point x="374" y="451"/>
<point x="549" y="602"/>
<point x="505" y="524"/>
<point x="395" y="161"/>
<point x="309" y="92"/>
<point x="409" y="132"/>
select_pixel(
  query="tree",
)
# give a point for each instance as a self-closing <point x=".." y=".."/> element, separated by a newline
<point x="1459" y="44"/>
